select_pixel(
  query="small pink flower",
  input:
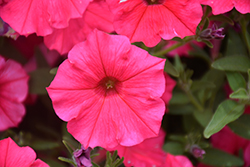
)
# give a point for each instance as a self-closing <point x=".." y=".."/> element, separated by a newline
<point x="41" y="16"/>
<point x="97" y="15"/>
<point x="12" y="155"/>
<point x="150" y="20"/>
<point x="177" y="161"/>
<point x="223" y="6"/>
<point x="146" y="154"/>
<point x="109" y="92"/>
<point x="13" y="91"/>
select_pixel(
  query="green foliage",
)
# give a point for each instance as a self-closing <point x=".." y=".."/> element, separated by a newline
<point x="170" y="69"/>
<point x="241" y="93"/>
<point x="220" y="158"/>
<point x="232" y="63"/>
<point x="235" y="80"/>
<point x="39" y="80"/>
<point x="113" y="161"/>
<point x="174" y="148"/>
<point x="241" y="126"/>
<point x="226" y="112"/>
<point x="221" y="18"/>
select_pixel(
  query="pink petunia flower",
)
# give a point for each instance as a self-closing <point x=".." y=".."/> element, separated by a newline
<point x="109" y="92"/>
<point x="146" y="154"/>
<point x="13" y="91"/>
<point x="41" y="16"/>
<point x="150" y="20"/>
<point x="223" y="6"/>
<point x="12" y="155"/>
<point x="177" y="161"/>
<point x="97" y="15"/>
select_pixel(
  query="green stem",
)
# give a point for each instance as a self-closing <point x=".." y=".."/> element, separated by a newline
<point x="246" y="35"/>
<point x="161" y="53"/>
<point x="194" y="101"/>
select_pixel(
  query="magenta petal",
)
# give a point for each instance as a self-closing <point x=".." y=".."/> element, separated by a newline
<point x="11" y="113"/>
<point x="13" y="91"/>
<point x="149" y="23"/>
<point x="40" y="16"/>
<point x="177" y="161"/>
<point x="146" y="154"/>
<point x="97" y="15"/>
<point x="13" y="155"/>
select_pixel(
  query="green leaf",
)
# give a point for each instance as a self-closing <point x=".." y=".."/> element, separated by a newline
<point x="241" y="126"/>
<point x="181" y="109"/>
<point x="118" y="162"/>
<point x="232" y="63"/>
<point x="235" y="45"/>
<point x="241" y="93"/>
<point x="67" y="160"/>
<point x="44" y="145"/>
<point x="235" y="80"/>
<point x="95" y="165"/>
<point x="179" y="98"/>
<point x="208" y="43"/>
<point x="221" y="18"/>
<point x="53" y="71"/>
<point x="170" y="69"/>
<point x="39" y="80"/>
<point x="226" y="112"/>
<point x="114" y="156"/>
<point x="178" y="65"/>
<point x="200" y="85"/>
<point x="206" y="23"/>
<point x="203" y="117"/>
<point x="174" y="148"/>
<point x="217" y="157"/>
<point x="68" y="146"/>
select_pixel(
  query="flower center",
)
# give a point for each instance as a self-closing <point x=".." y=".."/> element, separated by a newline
<point x="154" y="2"/>
<point x="108" y="83"/>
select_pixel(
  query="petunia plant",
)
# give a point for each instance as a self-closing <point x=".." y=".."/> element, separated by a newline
<point x="142" y="83"/>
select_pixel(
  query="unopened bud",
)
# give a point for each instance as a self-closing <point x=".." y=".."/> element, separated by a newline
<point x="82" y="157"/>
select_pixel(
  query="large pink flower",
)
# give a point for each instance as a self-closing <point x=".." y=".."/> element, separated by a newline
<point x="13" y="91"/>
<point x="109" y="91"/>
<point x="223" y="6"/>
<point x="12" y="155"/>
<point x="146" y="154"/>
<point x="150" y="20"/>
<point x="41" y="16"/>
<point x="97" y="15"/>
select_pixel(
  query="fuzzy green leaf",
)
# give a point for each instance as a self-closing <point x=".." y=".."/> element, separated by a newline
<point x="232" y="63"/>
<point x="241" y="93"/>
<point x="235" y="80"/>
<point x="217" y="157"/>
<point x="226" y="112"/>
<point x="241" y="126"/>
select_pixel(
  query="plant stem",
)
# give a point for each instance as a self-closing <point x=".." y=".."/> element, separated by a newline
<point x="194" y="101"/>
<point x="246" y="35"/>
<point x="161" y="53"/>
